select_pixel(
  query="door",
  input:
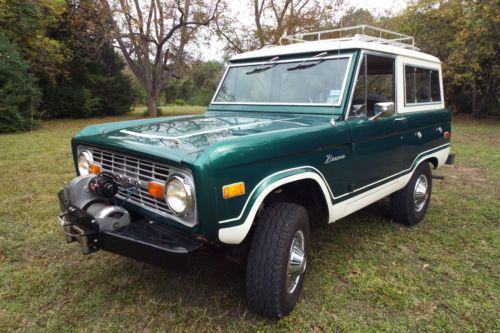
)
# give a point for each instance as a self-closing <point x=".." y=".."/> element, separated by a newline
<point x="377" y="150"/>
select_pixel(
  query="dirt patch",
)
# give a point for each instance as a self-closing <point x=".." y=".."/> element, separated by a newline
<point x="486" y="138"/>
<point x="458" y="175"/>
<point x="469" y="175"/>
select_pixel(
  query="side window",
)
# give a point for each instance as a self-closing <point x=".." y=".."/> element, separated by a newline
<point x="422" y="85"/>
<point x="375" y="84"/>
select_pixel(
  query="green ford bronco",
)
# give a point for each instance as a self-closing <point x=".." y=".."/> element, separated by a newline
<point x="306" y="132"/>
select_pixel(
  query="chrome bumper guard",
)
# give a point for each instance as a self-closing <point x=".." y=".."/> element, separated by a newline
<point x="77" y="233"/>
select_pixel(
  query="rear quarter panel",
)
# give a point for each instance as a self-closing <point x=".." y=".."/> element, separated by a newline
<point x="431" y="124"/>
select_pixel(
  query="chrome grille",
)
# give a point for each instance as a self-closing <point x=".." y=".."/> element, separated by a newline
<point x="137" y="169"/>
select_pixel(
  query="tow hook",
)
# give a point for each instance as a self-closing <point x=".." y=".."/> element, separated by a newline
<point x="66" y="227"/>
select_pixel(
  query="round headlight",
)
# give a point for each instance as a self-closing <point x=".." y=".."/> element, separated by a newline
<point x="179" y="196"/>
<point x="84" y="161"/>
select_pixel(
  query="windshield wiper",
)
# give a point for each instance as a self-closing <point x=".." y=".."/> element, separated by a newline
<point x="264" y="67"/>
<point x="305" y="64"/>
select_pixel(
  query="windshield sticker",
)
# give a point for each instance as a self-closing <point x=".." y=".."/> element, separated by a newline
<point x="334" y="96"/>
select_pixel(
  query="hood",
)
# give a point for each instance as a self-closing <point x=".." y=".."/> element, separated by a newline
<point x="184" y="138"/>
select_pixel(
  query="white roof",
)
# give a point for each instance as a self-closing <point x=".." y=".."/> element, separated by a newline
<point x="334" y="45"/>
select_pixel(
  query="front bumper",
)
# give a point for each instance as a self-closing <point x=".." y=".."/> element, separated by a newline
<point x="143" y="239"/>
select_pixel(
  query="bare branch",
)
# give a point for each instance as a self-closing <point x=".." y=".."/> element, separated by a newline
<point x="233" y="44"/>
<point x="154" y="52"/>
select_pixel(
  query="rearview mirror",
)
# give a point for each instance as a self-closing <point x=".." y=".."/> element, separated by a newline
<point x="383" y="109"/>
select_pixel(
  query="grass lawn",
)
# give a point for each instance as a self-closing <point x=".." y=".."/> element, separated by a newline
<point x="367" y="273"/>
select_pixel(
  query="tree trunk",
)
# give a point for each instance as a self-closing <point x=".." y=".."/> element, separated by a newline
<point x="475" y="109"/>
<point x="152" y="103"/>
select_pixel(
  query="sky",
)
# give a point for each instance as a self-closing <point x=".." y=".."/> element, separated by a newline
<point x="377" y="7"/>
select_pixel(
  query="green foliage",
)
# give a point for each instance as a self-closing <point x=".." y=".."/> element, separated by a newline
<point x="94" y="87"/>
<point x="356" y="16"/>
<point x="179" y="102"/>
<point x="94" y="83"/>
<point x="66" y="46"/>
<point x="138" y="92"/>
<point x="197" y="86"/>
<point x="473" y="61"/>
<point x="30" y="24"/>
<point x="19" y="96"/>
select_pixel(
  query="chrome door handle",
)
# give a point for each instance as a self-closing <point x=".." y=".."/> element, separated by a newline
<point x="419" y="134"/>
<point x="400" y="120"/>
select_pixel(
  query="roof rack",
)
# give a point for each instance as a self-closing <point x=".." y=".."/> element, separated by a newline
<point x="362" y="32"/>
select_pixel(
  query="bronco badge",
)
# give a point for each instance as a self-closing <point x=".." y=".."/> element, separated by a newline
<point x="330" y="158"/>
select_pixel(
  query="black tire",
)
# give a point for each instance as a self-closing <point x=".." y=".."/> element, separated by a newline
<point x="403" y="204"/>
<point x="267" y="287"/>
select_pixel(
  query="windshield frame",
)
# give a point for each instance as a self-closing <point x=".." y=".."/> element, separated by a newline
<point x="311" y="58"/>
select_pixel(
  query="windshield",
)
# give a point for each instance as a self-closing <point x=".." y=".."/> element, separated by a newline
<point x="315" y="80"/>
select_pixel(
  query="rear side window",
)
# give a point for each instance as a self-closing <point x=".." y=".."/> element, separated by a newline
<point x="422" y="85"/>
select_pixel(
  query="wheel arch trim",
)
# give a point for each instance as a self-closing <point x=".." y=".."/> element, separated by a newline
<point x="235" y="234"/>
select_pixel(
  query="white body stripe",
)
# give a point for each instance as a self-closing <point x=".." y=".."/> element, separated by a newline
<point x="324" y="180"/>
<point x="235" y="235"/>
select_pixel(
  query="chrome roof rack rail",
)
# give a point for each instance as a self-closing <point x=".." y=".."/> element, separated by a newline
<point x="365" y="33"/>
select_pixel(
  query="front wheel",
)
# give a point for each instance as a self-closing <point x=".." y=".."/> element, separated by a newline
<point x="410" y="204"/>
<point x="277" y="260"/>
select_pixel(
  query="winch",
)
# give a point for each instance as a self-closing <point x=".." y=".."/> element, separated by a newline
<point x="93" y="194"/>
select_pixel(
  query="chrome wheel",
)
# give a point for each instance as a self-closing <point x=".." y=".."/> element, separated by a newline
<point x="420" y="193"/>
<point x="296" y="262"/>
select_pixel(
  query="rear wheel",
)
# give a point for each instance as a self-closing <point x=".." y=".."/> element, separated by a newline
<point x="277" y="260"/>
<point x="409" y="205"/>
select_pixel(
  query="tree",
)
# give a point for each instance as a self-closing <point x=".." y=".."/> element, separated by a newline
<point x="197" y="85"/>
<point x="30" y="24"/>
<point x="152" y="36"/>
<point x="94" y="82"/>
<point x="19" y="95"/>
<point x="272" y="19"/>
<point x="473" y="61"/>
<point x="464" y="35"/>
<point x="95" y="87"/>
<point x="356" y="16"/>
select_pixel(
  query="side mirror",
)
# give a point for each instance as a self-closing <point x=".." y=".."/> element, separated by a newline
<point x="383" y="109"/>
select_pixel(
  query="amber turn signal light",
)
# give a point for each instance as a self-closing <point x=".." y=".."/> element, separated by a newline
<point x="233" y="190"/>
<point x="95" y="168"/>
<point x="156" y="189"/>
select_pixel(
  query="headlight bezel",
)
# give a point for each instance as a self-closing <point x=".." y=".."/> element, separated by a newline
<point x="188" y="188"/>
<point x="86" y="155"/>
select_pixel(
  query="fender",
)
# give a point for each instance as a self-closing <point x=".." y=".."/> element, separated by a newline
<point x="236" y="234"/>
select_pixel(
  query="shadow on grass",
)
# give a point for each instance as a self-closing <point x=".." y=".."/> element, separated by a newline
<point x="206" y="281"/>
